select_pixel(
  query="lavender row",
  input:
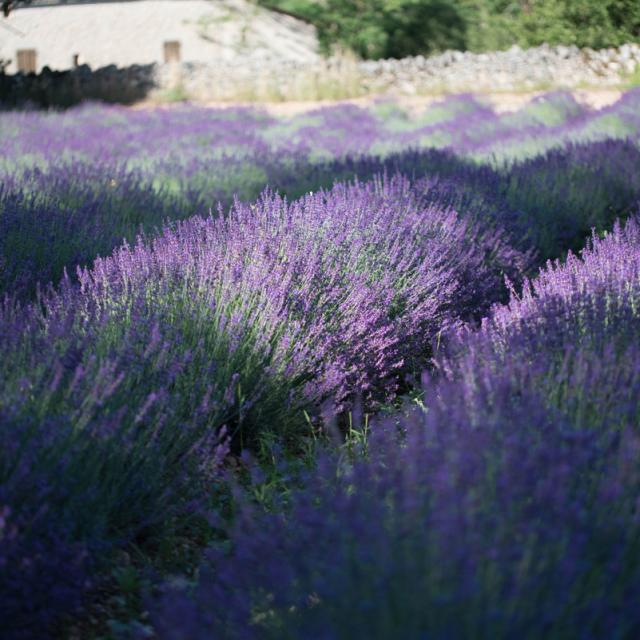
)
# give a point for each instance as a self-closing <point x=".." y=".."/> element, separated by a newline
<point x="66" y="216"/>
<point x="146" y="139"/>
<point x="75" y="184"/>
<point x="505" y="506"/>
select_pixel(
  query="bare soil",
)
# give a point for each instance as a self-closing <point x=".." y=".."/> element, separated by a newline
<point x="500" y="102"/>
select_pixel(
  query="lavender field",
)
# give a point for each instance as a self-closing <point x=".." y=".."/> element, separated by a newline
<point x="351" y="374"/>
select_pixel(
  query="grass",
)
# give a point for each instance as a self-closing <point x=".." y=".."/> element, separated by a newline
<point x="631" y="80"/>
<point x="175" y="95"/>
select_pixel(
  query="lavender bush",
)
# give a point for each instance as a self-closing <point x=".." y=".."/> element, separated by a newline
<point x="493" y="517"/>
<point x="338" y="292"/>
<point x="587" y="301"/>
<point x="565" y="193"/>
<point x="230" y="326"/>
<point x="90" y="461"/>
<point x="44" y="568"/>
<point x="505" y="507"/>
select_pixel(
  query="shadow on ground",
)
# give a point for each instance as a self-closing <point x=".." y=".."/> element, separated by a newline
<point x="122" y="85"/>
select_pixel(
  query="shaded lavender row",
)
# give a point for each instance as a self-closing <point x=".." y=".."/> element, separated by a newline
<point x="119" y="390"/>
<point x="505" y="506"/>
<point x="92" y="460"/>
<point x="66" y="216"/>
<point x="75" y="184"/>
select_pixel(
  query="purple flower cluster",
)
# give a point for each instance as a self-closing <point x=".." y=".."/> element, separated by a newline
<point x="43" y="568"/>
<point x="172" y="138"/>
<point x="505" y="506"/>
<point x="591" y="301"/>
<point x="341" y="291"/>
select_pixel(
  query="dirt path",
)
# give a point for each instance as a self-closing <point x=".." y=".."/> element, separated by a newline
<point x="501" y="102"/>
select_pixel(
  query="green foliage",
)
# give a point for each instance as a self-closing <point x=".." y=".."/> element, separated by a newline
<point x="397" y="28"/>
<point x="591" y="23"/>
<point x="382" y="28"/>
<point x="391" y="28"/>
<point x="176" y="94"/>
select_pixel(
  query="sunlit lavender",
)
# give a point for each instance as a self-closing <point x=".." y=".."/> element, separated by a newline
<point x="357" y="373"/>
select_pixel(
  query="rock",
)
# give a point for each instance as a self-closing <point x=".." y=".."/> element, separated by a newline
<point x="264" y="76"/>
<point x="624" y="53"/>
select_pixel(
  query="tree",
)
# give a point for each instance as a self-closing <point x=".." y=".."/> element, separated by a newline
<point x="585" y="23"/>
<point x="388" y="28"/>
<point x="397" y="28"/>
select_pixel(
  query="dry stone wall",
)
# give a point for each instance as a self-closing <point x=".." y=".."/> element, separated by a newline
<point x="255" y="79"/>
<point x="514" y="69"/>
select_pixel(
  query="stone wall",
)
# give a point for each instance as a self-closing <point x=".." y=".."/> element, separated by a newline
<point x="515" y="69"/>
<point x="251" y="79"/>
